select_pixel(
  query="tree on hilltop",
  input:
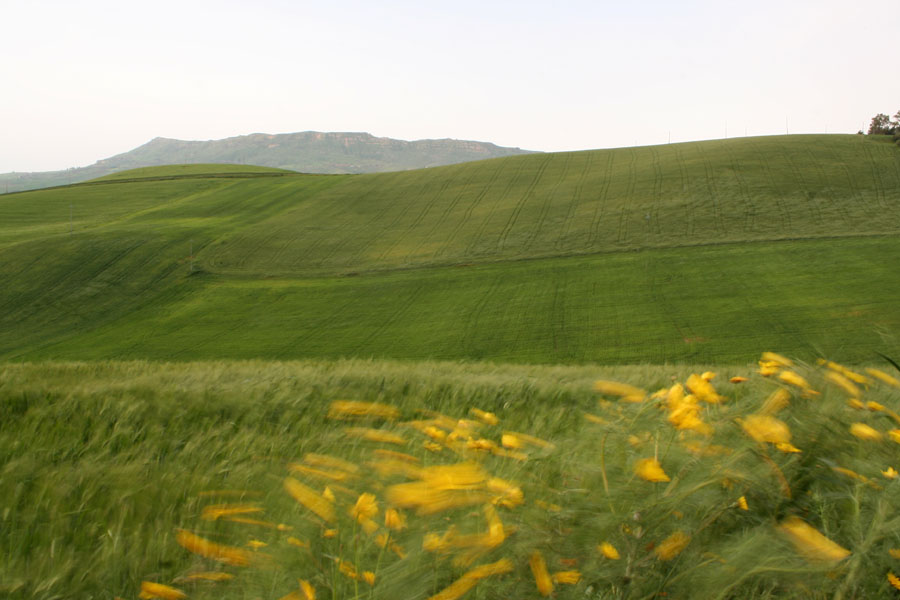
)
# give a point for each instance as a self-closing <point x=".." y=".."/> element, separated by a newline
<point x="881" y="125"/>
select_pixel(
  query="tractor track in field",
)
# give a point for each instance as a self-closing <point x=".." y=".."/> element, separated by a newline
<point x="549" y="199"/>
<point x="448" y="210"/>
<point x="527" y="197"/>
<point x="433" y="200"/>
<point x="602" y="198"/>
<point x="574" y="203"/>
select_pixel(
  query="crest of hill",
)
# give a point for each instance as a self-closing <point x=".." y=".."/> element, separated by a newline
<point x="307" y="152"/>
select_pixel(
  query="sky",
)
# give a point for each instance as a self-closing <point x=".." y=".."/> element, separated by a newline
<point x="81" y="81"/>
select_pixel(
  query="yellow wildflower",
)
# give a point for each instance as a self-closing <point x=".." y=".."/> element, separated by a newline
<point x="765" y="428"/>
<point x="347" y="568"/>
<point x="481" y="444"/>
<point x="649" y="469"/>
<point x="432" y="447"/>
<point x="707" y="376"/>
<point x="376" y="435"/>
<point x="217" y="511"/>
<point x="628" y="393"/>
<point x="351" y="409"/>
<point x="433" y="542"/>
<point x="768" y="368"/>
<point x="851" y="375"/>
<point x="366" y="507"/>
<point x="509" y="440"/>
<point x="471" y="578"/>
<point x="703" y="389"/>
<point x="883" y="377"/>
<point x="684" y="411"/>
<point x="672" y="546"/>
<point x="777" y="359"/>
<point x="504" y="565"/>
<point x="776" y="401"/>
<point x="527" y="439"/>
<point x="394" y="519"/>
<point x="151" y="590"/>
<point x="198" y="545"/>
<point x="608" y="550"/>
<point x="890" y="473"/>
<point x="567" y="577"/>
<point x="810" y="543"/>
<point x="249" y="521"/>
<point x="496" y="533"/>
<point x="843" y="383"/>
<point x="257" y="544"/>
<point x="428" y="499"/>
<point x="488" y="418"/>
<point x="742" y="503"/>
<point x="310" y="499"/>
<point x="308" y="591"/>
<point x="329" y="533"/>
<point x="595" y="419"/>
<point x="894" y="580"/>
<point x="894" y="434"/>
<point x="874" y="406"/>
<point x="455" y="589"/>
<point x="209" y="576"/>
<point x="297" y="542"/>
<point x="793" y="379"/>
<point x="541" y="576"/>
<point x="368" y="577"/>
<point x="507" y="493"/>
<point x="894" y="552"/>
<point x="864" y="432"/>
<point x="856" y="403"/>
<point x="738" y="379"/>
<point x="787" y="447"/>
<point x="854" y="475"/>
<point x="328" y="494"/>
<point x="435" y="433"/>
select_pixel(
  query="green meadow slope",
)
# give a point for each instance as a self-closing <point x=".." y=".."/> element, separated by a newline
<point x="707" y="251"/>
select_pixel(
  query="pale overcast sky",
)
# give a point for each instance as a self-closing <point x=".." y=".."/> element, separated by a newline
<point x="84" y="80"/>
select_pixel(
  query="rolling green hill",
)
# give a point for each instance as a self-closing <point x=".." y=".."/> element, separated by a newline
<point x="707" y="251"/>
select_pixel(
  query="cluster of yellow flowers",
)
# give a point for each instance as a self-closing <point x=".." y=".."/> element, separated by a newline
<point x="407" y="472"/>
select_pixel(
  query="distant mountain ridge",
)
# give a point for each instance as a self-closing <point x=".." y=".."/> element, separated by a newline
<point x="307" y="152"/>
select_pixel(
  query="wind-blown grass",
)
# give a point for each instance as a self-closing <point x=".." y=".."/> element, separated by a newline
<point x="105" y="462"/>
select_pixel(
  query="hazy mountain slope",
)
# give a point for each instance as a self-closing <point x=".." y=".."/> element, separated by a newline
<point x="307" y="152"/>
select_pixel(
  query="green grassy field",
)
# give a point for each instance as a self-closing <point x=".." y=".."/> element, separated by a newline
<point x="103" y="463"/>
<point x="498" y="285"/>
<point x="705" y="251"/>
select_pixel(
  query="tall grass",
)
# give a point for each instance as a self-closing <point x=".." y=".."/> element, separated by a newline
<point x="104" y="463"/>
